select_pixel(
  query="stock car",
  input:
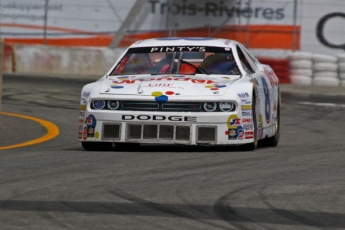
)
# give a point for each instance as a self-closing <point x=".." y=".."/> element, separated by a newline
<point x="187" y="91"/>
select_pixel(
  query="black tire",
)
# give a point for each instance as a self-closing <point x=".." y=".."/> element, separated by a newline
<point x="274" y="140"/>
<point x="127" y="145"/>
<point x="252" y="146"/>
<point x="97" y="146"/>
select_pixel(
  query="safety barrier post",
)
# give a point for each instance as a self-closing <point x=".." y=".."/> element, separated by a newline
<point x="1" y="61"/>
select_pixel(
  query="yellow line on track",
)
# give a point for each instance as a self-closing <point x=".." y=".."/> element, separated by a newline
<point x="52" y="131"/>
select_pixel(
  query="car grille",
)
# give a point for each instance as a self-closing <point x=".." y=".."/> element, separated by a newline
<point x="159" y="133"/>
<point x="206" y="134"/>
<point x="156" y="106"/>
<point x="111" y="131"/>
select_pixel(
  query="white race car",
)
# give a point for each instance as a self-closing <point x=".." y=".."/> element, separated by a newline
<point x="190" y="91"/>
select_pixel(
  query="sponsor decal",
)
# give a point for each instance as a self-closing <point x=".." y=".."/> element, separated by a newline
<point x="260" y="121"/>
<point x="117" y="86"/>
<point x="271" y="77"/>
<point x="249" y="135"/>
<point x="246" y="120"/>
<point x="86" y="94"/>
<point x="229" y="121"/>
<point x="91" y="131"/>
<point x="178" y="49"/>
<point x="246" y="107"/>
<point x="90" y="120"/>
<point x="158" y="118"/>
<point x="240" y="134"/>
<point x="232" y="134"/>
<point x="246" y="101"/>
<point x="193" y="80"/>
<point x="80" y="135"/>
<point x="248" y="127"/>
<point x="247" y="113"/>
<point x="243" y="95"/>
<point x="215" y="87"/>
<point x="82" y="107"/>
<point x="235" y="121"/>
<point x="90" y="123"/>
<point x="320" y="30"/>
<point x="159" y="96"/>
<point x="267" y="100"/>
<point x="217" y="9"/>
<point x="85" y="134"/>
<point x="161" y="85"/>
<point x="81" y="127"/>
<point x="81" y="113"/>
<point x="83" y="101"/>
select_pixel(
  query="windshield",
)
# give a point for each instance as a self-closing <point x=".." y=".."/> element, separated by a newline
<point x="177" y="60"/>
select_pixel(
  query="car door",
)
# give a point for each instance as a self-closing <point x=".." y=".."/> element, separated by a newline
<point x="265" y="89"/>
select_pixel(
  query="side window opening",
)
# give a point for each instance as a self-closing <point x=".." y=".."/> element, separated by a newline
<point x="245" y="64"/>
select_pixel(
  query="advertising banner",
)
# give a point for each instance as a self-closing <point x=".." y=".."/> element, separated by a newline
<point x="307" y="25"/>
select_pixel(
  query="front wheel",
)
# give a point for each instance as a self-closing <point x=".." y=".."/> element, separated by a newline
<point x="97" y="146"/>
<point x="122" y="145"/>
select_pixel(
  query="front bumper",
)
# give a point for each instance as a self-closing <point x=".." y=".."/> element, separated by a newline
<point x="213" y="128"/>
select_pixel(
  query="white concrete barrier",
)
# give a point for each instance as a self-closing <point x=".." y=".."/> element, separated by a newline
<point x="67" y="61"/>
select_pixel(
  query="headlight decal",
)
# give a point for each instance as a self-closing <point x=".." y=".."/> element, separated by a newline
<point x="226" y="106"/>
<point x="210" y="106"/>
<point x="98" y="104"/>
<point x="113" y="105"/>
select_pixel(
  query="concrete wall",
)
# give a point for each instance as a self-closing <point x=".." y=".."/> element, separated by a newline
<point x="52" y="60"/>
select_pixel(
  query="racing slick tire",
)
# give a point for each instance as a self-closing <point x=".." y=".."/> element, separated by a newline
<point x="274" y="140"/>
<point x="252" y="146"/>
<point x="303" y="64"/>
<point x="326" y="74"/>
<point x="341" y="67"/>
<point x="300" y="56"/>
<point x="127" y="145"/>
<point x="341" y="57"/>
<point x="324" y="58"/>
<point x="326" y="81"/>
<point x="303" y="72"/>
<point x="97" y="146"/>
<point x="301" y="80"/>
<point x="325" y="67"/>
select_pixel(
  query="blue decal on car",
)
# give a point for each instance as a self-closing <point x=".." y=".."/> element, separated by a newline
<point x="267" y="100"/>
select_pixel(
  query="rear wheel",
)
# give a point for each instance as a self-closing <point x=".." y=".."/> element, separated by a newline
<point x="97" y="146"/>
<point x="252" y="146"/>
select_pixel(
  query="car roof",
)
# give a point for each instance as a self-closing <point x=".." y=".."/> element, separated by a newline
<point x="184" y="41"/>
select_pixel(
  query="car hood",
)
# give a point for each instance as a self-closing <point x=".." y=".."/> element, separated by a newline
<point x="184" y="85"/>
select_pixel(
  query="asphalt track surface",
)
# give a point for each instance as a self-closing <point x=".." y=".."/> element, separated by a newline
<point x="55" y="184"/>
